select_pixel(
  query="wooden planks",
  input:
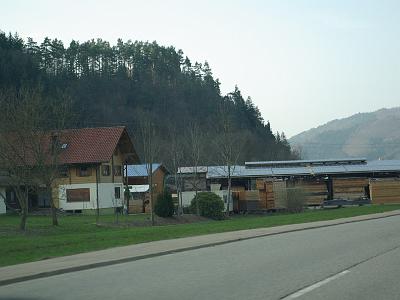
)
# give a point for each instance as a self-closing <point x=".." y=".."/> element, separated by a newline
<point x="280" y="194"/>
<point x="385" y="191"/>
<point x="349" y="188"/>
<point x="269" y="194"/>
<point x="315" y="192"/>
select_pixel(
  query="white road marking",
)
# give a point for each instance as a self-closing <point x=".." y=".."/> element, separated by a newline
<point x="315" y="286"/>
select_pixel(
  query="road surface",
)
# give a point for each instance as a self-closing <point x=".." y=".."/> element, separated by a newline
<point x="350" y="261"/>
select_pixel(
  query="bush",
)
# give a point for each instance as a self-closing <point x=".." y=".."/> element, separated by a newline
<point x="210" y="205"/>
<point x="296" y="199"/>
<point x="164" y="206"/>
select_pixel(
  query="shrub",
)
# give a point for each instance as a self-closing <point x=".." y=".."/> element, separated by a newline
<point x="296" y="199"/>
<point x="164" y="206"/>
<point x="210" y="205"/>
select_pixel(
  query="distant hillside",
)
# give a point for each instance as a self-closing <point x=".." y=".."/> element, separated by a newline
<point x="373" y="135"/>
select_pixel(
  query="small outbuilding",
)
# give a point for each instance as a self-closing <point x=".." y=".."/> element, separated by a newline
<point x="138" y="183"/>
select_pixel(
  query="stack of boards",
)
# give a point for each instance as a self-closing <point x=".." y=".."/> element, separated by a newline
<point x="349" y="188"/>
<point x="385" y="190"/>
<point x="315" y="191"/>
<point x="249" y="200"/>
<point x="273" y="194"/>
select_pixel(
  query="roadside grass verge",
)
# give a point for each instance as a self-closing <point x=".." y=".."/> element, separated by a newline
<point x="78" y="234"/>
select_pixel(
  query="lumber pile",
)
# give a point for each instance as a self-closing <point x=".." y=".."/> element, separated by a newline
<point x="349" y="188"/>
<point x="249" y="200"/>
<point x="315" y="192"/>
<point x="269" y="194"/>
<point x="385" y="190"/>
<point x="280" y="194"/>
<point x="266" y="194"/>
<point x="260" y="184"/>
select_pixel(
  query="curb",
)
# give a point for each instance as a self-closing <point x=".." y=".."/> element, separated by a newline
<point x="183" y="249"/>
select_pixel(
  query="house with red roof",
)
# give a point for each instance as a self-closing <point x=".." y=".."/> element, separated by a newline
<point x="91" y="162"/>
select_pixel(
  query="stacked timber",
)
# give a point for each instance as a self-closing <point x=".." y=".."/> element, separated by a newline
<point x="280" y="194"/>
<point x="249" y="200"/>
<point x="315" y="192"/>
<point x="269" y="194"/>
<point x="349" y="188"/>
<point x="385" y="191"/>
<point x="237" y="204"/>
<point x="260" y="184"/>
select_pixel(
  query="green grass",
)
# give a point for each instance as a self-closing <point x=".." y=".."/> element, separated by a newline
<point x="78" y="234"/>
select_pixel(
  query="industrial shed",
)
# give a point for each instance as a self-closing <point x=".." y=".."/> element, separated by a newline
<point x="265" y="185"/>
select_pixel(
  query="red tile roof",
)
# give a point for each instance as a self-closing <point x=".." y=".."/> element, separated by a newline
<point x="91" y="145"/>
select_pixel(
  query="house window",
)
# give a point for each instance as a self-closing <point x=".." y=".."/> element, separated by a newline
<point x="117" y="192"/>
<point x="83" y="171"/>
<point x="118" y="170"/>
<point x="78" y="195"/>
<point x="63" y="171"/>
<point x="105" y="170"/>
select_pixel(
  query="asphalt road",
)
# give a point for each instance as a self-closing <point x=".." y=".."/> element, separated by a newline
<point x="350" y="261"/>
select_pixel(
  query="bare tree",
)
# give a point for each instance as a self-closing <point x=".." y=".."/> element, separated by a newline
<point x="176" y="159"/>
<point x="28" y="150"/>
<point x="195" y="138"/>
<point x="146" y="133"/>
<point x="48" y="146"/>
<point x="229" y="142"/>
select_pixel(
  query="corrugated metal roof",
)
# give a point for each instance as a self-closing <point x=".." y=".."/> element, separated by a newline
<point x="369" y="167"/>
<point x="328" y="169"/>
<point x="140" y="170"/>
<point x="139" y="188"/>
<point x="222" y="171"/>
<point x="299" y="163"/>
<point x="376" y="166"/>
<point x="190" y="170"/>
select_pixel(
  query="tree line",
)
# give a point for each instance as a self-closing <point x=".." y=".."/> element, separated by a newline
<point x="115" y="84"/>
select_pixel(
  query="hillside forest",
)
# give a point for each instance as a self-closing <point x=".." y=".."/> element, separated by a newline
<point x="121" y="84"/>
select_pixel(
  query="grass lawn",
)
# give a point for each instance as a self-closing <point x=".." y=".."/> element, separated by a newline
<point x="80" y="234"/>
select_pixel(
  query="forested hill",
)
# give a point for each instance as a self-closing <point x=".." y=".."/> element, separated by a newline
<point x="114" y="84"/>
<point x="372" y="135"/>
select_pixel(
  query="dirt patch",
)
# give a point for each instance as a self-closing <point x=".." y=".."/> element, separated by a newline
<point x="158" y="221"/>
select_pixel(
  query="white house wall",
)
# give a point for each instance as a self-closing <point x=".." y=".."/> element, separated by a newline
<point x="2" y="200"/>
<point x="106" y="196"/>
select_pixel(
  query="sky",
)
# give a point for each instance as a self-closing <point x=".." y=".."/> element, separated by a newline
<point x="303" y="62"/>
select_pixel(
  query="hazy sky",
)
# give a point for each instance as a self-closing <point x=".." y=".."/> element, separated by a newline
<point x="302" y="62"/>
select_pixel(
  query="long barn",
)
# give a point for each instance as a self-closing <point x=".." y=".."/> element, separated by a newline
<point x="264" y="185"/>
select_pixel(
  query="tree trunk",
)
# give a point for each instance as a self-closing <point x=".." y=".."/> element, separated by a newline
<point x="24" y="212"/>
<point x="53" y="209"/>
<point x="197" y="202"/>
<point x="54" y="215"/>
<point x="24" y="215"/>
<point x="151" y="193"/>
<point x="178" y="211"/>
<point x="229" y="190"/>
